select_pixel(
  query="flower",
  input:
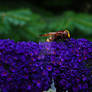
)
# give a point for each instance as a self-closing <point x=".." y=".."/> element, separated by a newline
<point x="49" y="67"/>
<point x="31" y="66"/>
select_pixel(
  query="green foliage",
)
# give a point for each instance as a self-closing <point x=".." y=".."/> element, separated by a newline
<point x="20" y="25"/>
<point x="24" y="24"/>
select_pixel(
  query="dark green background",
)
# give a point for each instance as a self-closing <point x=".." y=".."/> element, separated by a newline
<point x="25" y="20"/>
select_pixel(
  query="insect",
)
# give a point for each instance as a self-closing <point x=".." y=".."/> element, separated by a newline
<point x="55" y="36"/>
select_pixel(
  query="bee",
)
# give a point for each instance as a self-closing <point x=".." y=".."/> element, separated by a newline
<point x="56" y="36"/>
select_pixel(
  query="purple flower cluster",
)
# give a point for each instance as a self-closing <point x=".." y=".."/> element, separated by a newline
<point x="70" y="64"/>
<point x="30" y="66"/>
<point x="20" y="68"/>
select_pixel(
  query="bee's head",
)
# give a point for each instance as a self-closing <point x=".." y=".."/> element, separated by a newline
<point x="67" y="32"/>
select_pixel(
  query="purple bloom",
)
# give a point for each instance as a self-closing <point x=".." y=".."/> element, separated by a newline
<point x="31" y="66"/>
<point x="4" y="73"/>
<point x="49" y="67"/>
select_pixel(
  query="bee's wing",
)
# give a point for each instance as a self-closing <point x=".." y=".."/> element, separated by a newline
<point x="49" y="34"/>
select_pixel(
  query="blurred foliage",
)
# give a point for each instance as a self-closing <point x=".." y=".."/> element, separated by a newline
<point x="28" y="22"/>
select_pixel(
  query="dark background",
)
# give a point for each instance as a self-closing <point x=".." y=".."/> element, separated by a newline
<point x="25" y="20"/>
